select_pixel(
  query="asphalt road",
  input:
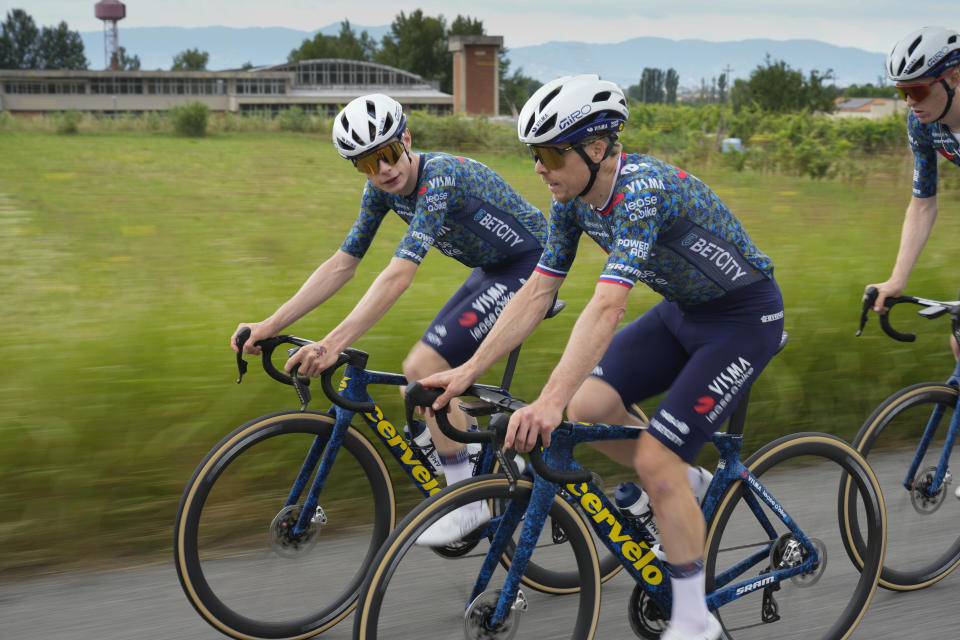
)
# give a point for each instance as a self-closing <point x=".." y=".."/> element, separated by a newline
<point x="148" y="603"/>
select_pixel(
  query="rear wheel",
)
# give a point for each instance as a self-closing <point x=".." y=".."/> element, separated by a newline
<point x="802" y="472"/>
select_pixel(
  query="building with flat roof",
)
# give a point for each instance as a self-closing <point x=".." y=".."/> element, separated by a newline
<point x="320" y="86"/>
<point x="873" y="108"/>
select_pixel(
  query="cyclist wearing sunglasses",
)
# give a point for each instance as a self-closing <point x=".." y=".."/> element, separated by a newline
<point x="719" y="324"/>
<point x="926" y="68"/>
<point x="457" y="205"/>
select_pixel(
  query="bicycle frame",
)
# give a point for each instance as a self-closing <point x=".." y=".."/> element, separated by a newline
<point x="622" y="538"/>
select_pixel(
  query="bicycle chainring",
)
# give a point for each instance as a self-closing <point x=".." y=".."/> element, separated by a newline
<point x="646" y="618"/>
<point x="478" y="613"/>
<point x="922" y="500"/>
<point x="287" y="544"/>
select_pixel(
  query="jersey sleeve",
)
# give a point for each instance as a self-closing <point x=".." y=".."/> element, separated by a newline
<point x="924" y="159"/>
<point x="563" y="235"/>
<point x="372" y="210"/>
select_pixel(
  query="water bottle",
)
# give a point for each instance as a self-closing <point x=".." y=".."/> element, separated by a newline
<point x="634" y="503"/>
<point x="424" y="444"/>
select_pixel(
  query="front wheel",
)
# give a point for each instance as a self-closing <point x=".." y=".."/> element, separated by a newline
<point x="411" y="593"/>
<point x="241" y="560"/>
<point x="922" y="514"/>
<point x="828" y="597"/>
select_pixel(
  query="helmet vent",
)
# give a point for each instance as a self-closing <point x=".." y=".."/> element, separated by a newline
<point x="550" y="96"/>
<point x="951" y="39"/>
<point x="548" y="124"/>
<point x="914" y="45"/>
<point x="602" y="96"/>
<point x="917" y="65"/>
<point x="387" y="122"/>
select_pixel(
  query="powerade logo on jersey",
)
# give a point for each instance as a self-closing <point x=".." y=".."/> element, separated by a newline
<point x="637" y="552"/>
<point x="574" y="117"/>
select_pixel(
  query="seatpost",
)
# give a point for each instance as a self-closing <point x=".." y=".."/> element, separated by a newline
<point x="509" y="369"/>
<point x="739" y="416"/>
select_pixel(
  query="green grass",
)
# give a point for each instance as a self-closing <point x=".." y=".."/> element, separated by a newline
<point x="130" y="258"/>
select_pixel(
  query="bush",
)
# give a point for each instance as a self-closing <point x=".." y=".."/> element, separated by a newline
<point x="190" y="120"/>
<point x="294" y="119"/>
<point x="6" y="120"/>
<point x="68" y="122"/>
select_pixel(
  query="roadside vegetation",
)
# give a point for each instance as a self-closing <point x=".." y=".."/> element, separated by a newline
<point x="131" y="253"/>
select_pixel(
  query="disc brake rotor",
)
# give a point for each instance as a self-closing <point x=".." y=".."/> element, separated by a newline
<point x="478" y="614"/>
<point x="922" y="500"/>
<point x="285" y="542"/>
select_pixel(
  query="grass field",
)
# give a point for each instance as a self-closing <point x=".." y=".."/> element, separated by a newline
<point x="129" y="258"/>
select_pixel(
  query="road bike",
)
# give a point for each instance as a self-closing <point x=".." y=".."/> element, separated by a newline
<point x="767" y="567"/>
<point x="278" y="498"/>
<point x="908" y="441"/>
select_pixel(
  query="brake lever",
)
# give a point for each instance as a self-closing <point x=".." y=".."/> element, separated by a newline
<point x="869" y="298"/>
<point x="242" y="336"/>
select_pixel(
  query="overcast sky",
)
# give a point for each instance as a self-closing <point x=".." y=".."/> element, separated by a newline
<point x="874" y="25"/>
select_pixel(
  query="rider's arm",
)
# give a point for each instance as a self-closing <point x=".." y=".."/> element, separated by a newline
<point x="917" y="224"/>
<point x="382" y="294"/>
<point x="328" y="278"/>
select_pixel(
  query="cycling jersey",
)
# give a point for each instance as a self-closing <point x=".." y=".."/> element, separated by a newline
<point x="926" y="141"/>
<point x="661" y="226"/>
<point x="461" y="207"/>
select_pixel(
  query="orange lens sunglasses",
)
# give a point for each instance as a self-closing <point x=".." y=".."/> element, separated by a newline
<point x="920" y="92"/>
<point x="370" y="163"/>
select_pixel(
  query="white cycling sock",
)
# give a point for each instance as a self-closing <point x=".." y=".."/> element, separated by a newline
<point x="456" y="466"/>
<point x="689" y="615"/>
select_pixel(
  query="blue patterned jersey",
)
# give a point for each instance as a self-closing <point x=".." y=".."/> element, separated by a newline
<point x="663" y="227"/>
<point x="926" y="141"/>
<point x="460" y="206"/>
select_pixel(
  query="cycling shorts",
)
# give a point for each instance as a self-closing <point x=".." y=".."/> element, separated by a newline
<point x="704" y="356"/>
<point x="467" y="317"/>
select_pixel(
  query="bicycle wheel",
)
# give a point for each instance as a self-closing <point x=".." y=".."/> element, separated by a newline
<point x="410" y="593"/>
<point x="923" y="540"/>
<point x="800" y="471"/>
<point x="238" y="566"/>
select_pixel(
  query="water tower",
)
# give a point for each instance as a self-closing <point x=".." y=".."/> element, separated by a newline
<point x="110" y="11"/>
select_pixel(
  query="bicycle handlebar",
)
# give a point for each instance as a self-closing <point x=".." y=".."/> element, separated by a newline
<point x="931" y="309"/>
<point x="417" y="395"/>
<point x="353" y="357"/>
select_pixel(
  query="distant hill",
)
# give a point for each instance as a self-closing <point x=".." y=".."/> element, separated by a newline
<point x="621" y="62"/>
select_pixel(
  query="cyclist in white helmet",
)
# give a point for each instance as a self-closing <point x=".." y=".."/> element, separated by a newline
<point x="457" y="205"/>
<point x="720" y="321"/>
<point x="926" y="68"/>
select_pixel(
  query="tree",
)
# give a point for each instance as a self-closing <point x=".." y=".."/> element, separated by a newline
<point x="869" y="90"/>
<point x="776" y="87"/>
<point x="18" y="41"/>
<point x="515" y="89"/>
<point x="346" y="45"/>
<point x="190" y="60"/>
<point x="670" y="83"/>
<point x="722" y="88"/>
<point x="127" y="63"/>
<point x="60" y="48"/>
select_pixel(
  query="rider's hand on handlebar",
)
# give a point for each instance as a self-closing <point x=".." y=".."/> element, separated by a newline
<point x="313" y="358"/>
<point x="538" y="419"/>
<point x="258" y="331"/>
<point x="453" y="381"/>
<point x="888" y="289"/>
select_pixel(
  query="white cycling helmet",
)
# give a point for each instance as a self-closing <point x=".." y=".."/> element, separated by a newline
<point x="928" y="51"/>
<point x="571" y="108"/>
<point x="366" y="123"/>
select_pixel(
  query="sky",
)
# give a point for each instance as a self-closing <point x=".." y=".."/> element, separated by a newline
<point x="873" y="25"/>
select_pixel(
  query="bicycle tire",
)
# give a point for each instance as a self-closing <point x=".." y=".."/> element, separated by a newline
<point x="924" y="542"/>
<point x="226" y="519"/>
<point x="801" y="487"/>
<point x="400" y="559"/>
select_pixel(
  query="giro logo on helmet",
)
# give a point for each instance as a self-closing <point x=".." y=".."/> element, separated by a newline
<point x="575" y="116"/>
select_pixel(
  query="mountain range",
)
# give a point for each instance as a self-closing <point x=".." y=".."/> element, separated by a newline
<point x="695" y="61"/>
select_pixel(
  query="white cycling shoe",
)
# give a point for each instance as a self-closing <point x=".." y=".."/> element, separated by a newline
<point x="714" y="632"/>
<point x="455" y="525"/>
